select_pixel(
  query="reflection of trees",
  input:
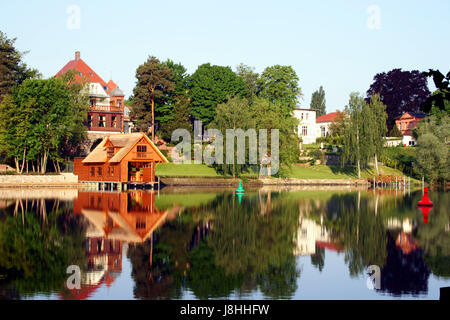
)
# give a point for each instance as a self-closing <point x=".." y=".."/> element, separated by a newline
<point x="434" y="238"/>
<point x="38" y="244"/>
<point x="318" y="259"/>
<point x="404" y="274"/>
<point x="261" y="246"/>
<point x="222" y="247"/>
<point x="361" y="232"/>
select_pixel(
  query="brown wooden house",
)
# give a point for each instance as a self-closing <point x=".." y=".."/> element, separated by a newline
<point x="121" y="158"/>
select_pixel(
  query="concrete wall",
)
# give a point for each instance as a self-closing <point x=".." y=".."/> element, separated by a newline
<point x="39" y="180"/>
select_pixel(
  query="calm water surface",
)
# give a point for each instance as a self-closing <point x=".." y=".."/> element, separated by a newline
<point x="300" y="243"/>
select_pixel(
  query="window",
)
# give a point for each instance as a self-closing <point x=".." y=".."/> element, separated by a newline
<point x="141" y="148"/>
<point x="92" y="171"/>
<point x="304" y="130"/>
<point x="89" y="121"/>
<point x="302" y="115"/>
<point x="101" y="121"/>
<point x="323" y="131"/>
<point x="110" y="152"/>
<point x="113" y="122"/>
<point x="92" y="101"/>
<point x="99" y="171"/>
<point x="119" y="103"/>
<point x="307" y="116"/>
<point x="140" y="223"/>
<point x="112" y="171"/>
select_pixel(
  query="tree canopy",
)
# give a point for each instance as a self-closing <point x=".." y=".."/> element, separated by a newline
<point x="400" y="91"/>
<point x="210" y="86"/>
<point x="13" y="71"/>
<point x="279" y="84"/>
<point x="318" y="102"/>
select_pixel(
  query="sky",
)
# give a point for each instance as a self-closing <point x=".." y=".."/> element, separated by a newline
<point x="340" y="45"/>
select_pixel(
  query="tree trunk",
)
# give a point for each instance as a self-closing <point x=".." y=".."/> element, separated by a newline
<point x="359" y="170"/>
<point x="376" y="164"/>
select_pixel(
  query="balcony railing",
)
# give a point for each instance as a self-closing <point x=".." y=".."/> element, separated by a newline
<point x="97" y="107"/>
<point x="141" y="155"/>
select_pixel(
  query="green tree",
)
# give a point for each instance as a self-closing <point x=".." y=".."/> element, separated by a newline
<point x="210" y="86"/>
<point x="376" y="128"/>
<point x="250" y="78"/>
<point x="337" y="125"/>
<point x="13" y="71"/>
<point x="279" y="84"/>
<point x="154" y="82"/>
<point x="181" y="118"/>
<point x="35" y="119"/>
<point x="234" y="114"/>
<point x="395" y="132"/>
<point x="318" y="102"/>
<point x="355" y="147"/>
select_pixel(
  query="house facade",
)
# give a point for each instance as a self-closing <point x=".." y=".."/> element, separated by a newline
<point x="107" y="113"/>
<point x="324" y="123"/>
<point x="408" y="121"/>
<point x="307" y="124"/>
<point x="120" y="158"/>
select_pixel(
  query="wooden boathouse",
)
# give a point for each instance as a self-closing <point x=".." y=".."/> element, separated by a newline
<point x="121" y="161"/>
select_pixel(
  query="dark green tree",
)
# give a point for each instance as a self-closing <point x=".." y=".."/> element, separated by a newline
<point x="279" y="84"/>
<point x="318" y="102"/>
<point x="400" y="91"/>
<point x="13" y="71"/>
<point x="154" y="82"/>
<point x="250" y="78"/>
<point x="210" y="86"/>
<point x="439" y="102"/>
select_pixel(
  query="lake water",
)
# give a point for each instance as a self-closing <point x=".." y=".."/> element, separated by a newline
<point x="298" y="243"/>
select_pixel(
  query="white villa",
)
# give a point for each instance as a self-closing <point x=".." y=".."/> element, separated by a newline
<point x="310" y="128"/>
<point x="307" y="124"/>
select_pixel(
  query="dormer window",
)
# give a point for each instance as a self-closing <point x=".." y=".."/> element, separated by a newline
<point x="110" y="152"/>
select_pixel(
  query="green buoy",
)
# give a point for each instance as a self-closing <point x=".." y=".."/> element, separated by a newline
<point x="240" y="189"/>
<point x="240" y="195"/>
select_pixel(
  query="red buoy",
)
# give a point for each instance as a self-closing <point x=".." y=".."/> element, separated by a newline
<point x="425" y="210"/>
<point x="425" y="205"/>
<point x="425" y="200"/>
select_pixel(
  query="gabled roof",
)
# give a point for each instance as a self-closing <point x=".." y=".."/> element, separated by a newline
<point x="414" y="114"/>
<point x="83" y="71"/>
<point x="125" y="142"/>
<point x="111" y="85"/>
<point x="330" y="117"/>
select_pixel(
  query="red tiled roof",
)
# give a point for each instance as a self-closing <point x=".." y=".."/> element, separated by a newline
<point x="329" y="246"/>
<point x="327" y="117"/>
<point x="111" y="85"/>
<point x="80" y="66"/>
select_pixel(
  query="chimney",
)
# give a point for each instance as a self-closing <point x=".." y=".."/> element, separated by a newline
<point x="77" y="55"/>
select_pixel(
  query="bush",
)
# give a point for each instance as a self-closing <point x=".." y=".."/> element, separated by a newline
<point x="315" y="155"/>
<point x="399" y="158"/>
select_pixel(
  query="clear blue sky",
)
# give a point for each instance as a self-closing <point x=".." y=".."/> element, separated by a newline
<point x="338" y="44"/>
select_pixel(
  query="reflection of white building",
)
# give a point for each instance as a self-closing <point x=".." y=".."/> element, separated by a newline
<point x="309" y="232"/>
<point x="307" y="124"/>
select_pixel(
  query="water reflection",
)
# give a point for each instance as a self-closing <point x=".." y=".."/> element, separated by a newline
<point x="210" y="244"/>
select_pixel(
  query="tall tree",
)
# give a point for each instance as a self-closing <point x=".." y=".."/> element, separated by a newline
<point x="210" y="86"/>
<point x="439" y="102"/>
<point x="318" y="102"/>
<point x="13" y="71"/>
<point x="250" y="78"/>
<point x="34" y="120"/>
<point x="400" y="91"/>
<point x="376" y="127"/>
<point x="153" y="82"/>
<point x="355" y="147"/>
<point x="279" y="84"/>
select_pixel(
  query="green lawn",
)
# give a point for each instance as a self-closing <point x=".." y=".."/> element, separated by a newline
<point x="299" y="172"/>
<point x="336" y="172"/>
<point x="185" y="170"/>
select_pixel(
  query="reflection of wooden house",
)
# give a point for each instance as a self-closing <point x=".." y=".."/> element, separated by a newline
<point x="125" y="216"/>
<point x="121" y="158"/>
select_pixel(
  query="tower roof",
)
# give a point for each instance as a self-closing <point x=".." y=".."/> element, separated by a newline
<point x="83" y="71"/>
